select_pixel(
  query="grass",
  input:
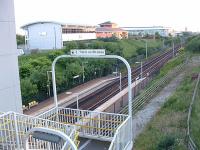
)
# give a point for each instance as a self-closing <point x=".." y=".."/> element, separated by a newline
<point x="167" y="130"/>
<point x="171" y="64"/>
<point x="130" y="46"/>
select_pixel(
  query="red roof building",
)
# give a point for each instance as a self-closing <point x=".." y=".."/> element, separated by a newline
<point x="109" y="29"/>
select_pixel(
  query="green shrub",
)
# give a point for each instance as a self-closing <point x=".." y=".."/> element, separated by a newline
<point x="166" y="143"/>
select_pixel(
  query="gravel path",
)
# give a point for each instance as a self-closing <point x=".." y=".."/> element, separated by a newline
<point x="144" y="116"/>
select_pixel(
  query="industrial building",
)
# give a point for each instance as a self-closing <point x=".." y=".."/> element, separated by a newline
<point x="47" y="35"/>
<point x="143" y="31"/>
<point x="109" y="29"/>
<point x="10" y="95"/>
<point x="43" y="35"/>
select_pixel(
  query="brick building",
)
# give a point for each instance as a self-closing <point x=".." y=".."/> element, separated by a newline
<point x="109" y="29"/>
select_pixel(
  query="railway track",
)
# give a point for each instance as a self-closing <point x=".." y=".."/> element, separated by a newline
<point x="97" y="98"/>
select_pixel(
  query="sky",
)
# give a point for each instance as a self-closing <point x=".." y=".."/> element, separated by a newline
<point x="177" y="14"/>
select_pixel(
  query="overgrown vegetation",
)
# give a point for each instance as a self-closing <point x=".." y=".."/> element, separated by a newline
<point x="193" y="44"/>
<point x="167" y="130"/>
<point x="34" y="67"/>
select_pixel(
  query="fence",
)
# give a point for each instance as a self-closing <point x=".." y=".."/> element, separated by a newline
<point x="14" y="127"/>
<point x="122" y="139"/>
<point x="146" y="95"/>
<point x="191" y="143"/>
<point x="91" y="124"/>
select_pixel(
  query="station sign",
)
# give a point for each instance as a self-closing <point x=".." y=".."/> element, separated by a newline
<point x="88" y="52"/>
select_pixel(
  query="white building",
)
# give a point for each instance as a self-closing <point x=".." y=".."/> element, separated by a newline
<point x="74" y="32"/>
<point x="142" y="31"/>
<point x="43" y="35"/>
<point x="46" y="35"/>
<point x="10" y="95"/>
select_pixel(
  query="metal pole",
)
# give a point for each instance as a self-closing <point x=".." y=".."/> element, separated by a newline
<point x="16" y="131"/>
<point x="83" y="73"/>
<point x="120" y="81"/>
<point x="146" y="49"/>
<point x="49" y="90"/>
<point x="77" y="105"/>
<point x="163" y="43"/>
<point x="173" y="47"/>
<point x="141" y="70"/>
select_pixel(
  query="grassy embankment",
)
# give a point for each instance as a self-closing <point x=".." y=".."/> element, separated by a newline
<point x="167" y="130"/>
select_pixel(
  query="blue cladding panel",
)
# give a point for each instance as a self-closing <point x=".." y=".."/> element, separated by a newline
<point x="45" y="36"/>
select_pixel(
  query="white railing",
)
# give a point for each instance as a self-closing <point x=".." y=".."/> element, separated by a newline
<point x="14" y="127"/>
<point x="91" y="124"/>
<point x="122" y="139"/>
<point x="191" y="143"/>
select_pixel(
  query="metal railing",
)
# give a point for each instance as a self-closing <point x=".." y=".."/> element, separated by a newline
<point x="14" y="127"/>
<point x="151" y="91"/>
<point x="122" y="139"/>
<point x="191" y="143"/>
<point x="91" y="124"/>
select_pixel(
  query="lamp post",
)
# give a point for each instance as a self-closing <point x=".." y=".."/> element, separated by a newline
<point x="140" y="68"/>
<point x="146" y="48"/>
<point x="83" y="69"/>
<point x="173" y="47"/>
<point x="120" y="79"/>
<point x="48" y="85"/>
<point x="76" y="54"/>
<point x="77" y="97"/>
<point x="75" y="77"/>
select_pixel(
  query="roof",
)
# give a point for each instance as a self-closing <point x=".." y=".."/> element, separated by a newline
<point x="40" y="22"/>
<point x="105" y="29"/>
<point x="107" y="22"/>
<point x="146" y="28"/>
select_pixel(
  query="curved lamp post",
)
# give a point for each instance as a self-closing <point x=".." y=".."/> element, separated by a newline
<point x="95" y="57"/>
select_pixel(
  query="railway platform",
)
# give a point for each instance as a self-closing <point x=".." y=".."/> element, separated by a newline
<point x="64" y="100"/>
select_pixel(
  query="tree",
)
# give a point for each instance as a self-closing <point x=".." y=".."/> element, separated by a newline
<point x="28" y="89"/>
<point x="157" y="35"/>
<point x="70" y="45"/>
<point x="193" y="44"/>
<point x="20" y="39"/>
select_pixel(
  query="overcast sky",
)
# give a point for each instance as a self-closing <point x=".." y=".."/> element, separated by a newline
<point x="177" y="14"/>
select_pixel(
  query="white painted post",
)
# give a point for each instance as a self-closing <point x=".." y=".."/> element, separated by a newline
<point x="146" y="49"/>
<point x="16" y="131"/>
<point x="120" y="81"/>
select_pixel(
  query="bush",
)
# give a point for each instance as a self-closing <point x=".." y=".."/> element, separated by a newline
<point x="166" y="143"/>
<point x="193" y="44"/>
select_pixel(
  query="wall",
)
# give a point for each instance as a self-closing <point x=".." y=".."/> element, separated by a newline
<point x="78" y="36"/>
<point x="10" y="95"/>
<point x="45" y="36"/>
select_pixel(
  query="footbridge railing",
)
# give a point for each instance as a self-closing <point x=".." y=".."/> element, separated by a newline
<point x="90" y="124"/>
<point x="14" y="129"/>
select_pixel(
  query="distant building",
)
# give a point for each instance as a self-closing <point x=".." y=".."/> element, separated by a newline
<point x="73" y="32"/>
<point x="109" y="29"/>
<point x="43" y="35"/>
<point x="46" y="35"/>
<point x="143" y="31"/>
<point x="10" y="94"/>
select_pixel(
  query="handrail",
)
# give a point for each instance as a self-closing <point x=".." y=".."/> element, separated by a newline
<point x="119" y="129"/>
<point x="191" y="143"/>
